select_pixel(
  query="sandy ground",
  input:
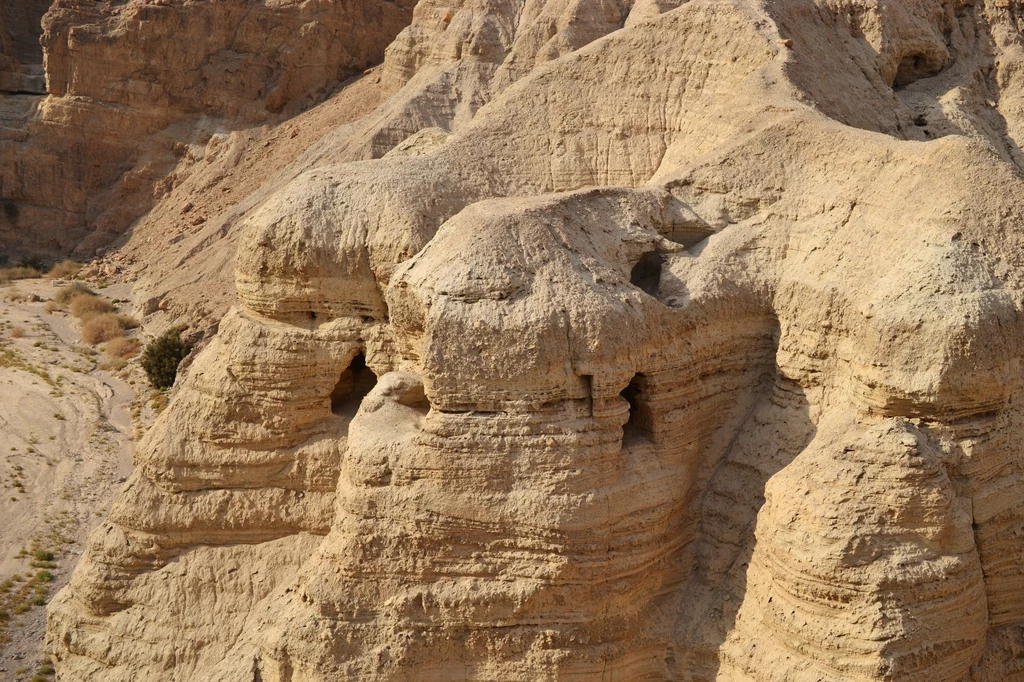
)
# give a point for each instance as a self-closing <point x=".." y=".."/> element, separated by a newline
<point x="66" y="446"/>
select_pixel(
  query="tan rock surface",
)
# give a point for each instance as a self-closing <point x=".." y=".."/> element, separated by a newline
<point x="135" y="86"/>
<point x="617" y="342"/>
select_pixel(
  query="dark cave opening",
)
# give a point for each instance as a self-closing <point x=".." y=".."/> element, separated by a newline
<point x="354" y="383"/>
<point x="915" y="67"/>
<point x="646" y="274"/>
<point x="639" y="424"/>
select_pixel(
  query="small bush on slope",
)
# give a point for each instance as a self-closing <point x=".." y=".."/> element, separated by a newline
<point x="162" y="357"/>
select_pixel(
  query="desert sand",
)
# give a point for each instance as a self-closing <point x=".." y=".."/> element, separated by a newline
<point x="66" y="445"/>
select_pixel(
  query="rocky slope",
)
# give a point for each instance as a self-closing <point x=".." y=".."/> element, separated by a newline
<point x="134" y="85"/>
<point x="579" y="340"/>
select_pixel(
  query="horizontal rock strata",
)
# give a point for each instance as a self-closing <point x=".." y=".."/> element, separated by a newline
<point x="621" y="342"/>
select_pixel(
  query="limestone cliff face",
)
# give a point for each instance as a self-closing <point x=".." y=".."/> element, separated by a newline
<point x="236" y="60"/>
<point x="621" y="341"/>
<point x="22" y="22"/>
<point x="132" y="84"/>
<point x="21" y="56"/>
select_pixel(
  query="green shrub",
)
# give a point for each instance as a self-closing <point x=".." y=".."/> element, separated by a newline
<point x="43" y="555"/>
<point x="34" y="262"/>
<point x="44" y="576"/>
<point x="162" y="357"/>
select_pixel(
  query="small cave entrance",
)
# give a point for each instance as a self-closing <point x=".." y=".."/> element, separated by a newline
<point x="640" y="423"/>
<point x="646" y="274"/>
<point x="915" y="67"/>
<point x="355" y="382"/>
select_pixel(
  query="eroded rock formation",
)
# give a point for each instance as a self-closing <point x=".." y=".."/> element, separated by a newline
<point x="21" y="57"/>
<point x="621" y="341"/>
<point x="137" y="87"/>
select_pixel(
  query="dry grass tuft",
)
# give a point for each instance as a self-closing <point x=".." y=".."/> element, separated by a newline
<point x="127" y="321"/>
<point x="15" y="296"/>
<point x="66" y="294"/>
<point x="8" y="275"/>
<point x="66" y="268"/>
<point x="18" y="332"/>
<point x="53" y="306"/>
<point x="86" y="307"/>
<point x="101" y="327"/>
<point x="122" y="348"/>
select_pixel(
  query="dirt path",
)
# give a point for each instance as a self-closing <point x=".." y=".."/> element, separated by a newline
<point x="66" y="445"/>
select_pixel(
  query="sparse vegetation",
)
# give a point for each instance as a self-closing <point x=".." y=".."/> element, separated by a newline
<point x="37" y="344"/>
<point x="85" y="307"/>
<point x="8" y="275"/>
<point x="122" y="348"/>
<point x="65" y="295"/>
<point x="162" y="357"/>
<point x="127" y="321"/>
<point x="66" y="268"/>
<point x="101" y="328"/>
<point x="33" y="263"/>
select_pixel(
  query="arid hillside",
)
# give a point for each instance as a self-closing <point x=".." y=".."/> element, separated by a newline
<point x="620" y="340"/>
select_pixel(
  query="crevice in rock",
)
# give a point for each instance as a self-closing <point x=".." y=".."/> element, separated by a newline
<point x="354" y="384"/>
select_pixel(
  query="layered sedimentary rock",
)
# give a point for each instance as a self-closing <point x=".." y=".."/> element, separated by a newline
<point x="134" y="86"/>
<point x="622" y="342"/>
<point x="21" y="56"/>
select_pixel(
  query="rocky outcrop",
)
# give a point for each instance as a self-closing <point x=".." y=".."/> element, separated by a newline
<point x="619" y="341"/>
<point x="21" y="56"/>
<point x="133" y="86"/>
<point x="22" y="22"/>
<point x="233" y="60"/>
